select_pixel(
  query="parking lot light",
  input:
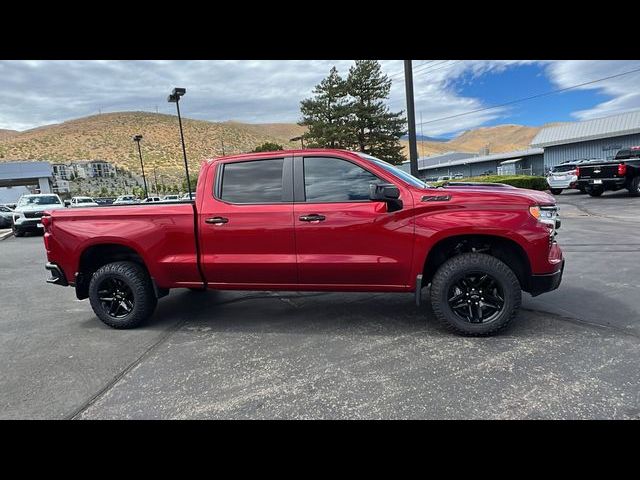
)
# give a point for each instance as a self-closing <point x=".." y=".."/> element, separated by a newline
<point x="174" y="97"/>
<point x="137" y="139"/>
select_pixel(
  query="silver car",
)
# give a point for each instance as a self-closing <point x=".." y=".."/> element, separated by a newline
<point x="564" y="177"/>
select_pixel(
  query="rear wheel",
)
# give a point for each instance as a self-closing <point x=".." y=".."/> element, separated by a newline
<point x="595" y="192"/>
<point x="475" y="294"/>
<point x="121" y="294"/>
<point x="556" y="191"/>
<point x="582" y="189"/>
<point x="634" y="188"/>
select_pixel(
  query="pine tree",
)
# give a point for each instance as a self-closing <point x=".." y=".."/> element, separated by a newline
<point x="374" y="129"/>
<point x="325" y="115"/>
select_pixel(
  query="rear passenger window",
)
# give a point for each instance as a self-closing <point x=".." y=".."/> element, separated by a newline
<point x="258" y="181"/>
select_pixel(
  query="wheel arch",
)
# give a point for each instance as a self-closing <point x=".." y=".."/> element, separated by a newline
<point x="503" y="248"/>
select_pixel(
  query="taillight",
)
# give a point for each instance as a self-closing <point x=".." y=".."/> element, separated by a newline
<point x="622" y="169"/>
<point x="577" y="171"/>
<point x="47" y="221"/>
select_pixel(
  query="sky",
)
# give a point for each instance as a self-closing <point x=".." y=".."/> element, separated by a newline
<point x="36" y="93"/>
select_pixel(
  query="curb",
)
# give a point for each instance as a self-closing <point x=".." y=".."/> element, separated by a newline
<point x="5" y="235"/>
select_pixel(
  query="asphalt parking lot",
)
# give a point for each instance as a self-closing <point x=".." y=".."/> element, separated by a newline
<point x="572" y="353"/>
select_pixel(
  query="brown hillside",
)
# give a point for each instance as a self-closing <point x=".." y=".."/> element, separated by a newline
<point x="108" y="137"/>
<point x="502" y="138"/>
<point x="7" y="133"/>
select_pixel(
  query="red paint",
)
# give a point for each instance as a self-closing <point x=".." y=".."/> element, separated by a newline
<point x="359" y="247"/>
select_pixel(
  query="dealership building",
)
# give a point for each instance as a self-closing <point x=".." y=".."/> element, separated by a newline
<point x="600" y="138"/>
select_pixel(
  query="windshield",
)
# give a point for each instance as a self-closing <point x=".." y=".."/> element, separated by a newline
<point x="43" y="200"/>
<point x="85" y="200"/>
<point x="395" y="171"/>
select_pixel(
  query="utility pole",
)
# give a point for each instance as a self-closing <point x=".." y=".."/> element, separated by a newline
<point x="155" y="175"/>
<point x="411" y="117"/>
<point x="222" y="141"/>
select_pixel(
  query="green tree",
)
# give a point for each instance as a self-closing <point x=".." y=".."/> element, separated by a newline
<point x="268" y="147"/>
<point x="326" y="113"/>
<point x="194" y="181"/>
<point x="373" y="127"/>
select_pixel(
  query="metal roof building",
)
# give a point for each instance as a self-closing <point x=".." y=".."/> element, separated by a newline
<point x="600" y="138"/>
<point x="13" y="174"/>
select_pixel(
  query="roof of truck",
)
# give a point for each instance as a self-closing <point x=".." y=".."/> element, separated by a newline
<point x="262" y="155"/>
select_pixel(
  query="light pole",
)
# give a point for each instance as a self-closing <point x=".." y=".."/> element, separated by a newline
<point x="137" y="138"/>
<point x="155" y="175"/>
<point x="175" y="98"/>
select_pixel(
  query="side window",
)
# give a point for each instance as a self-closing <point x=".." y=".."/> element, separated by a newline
<point x="258" y="181"/>
<point x="335" y="180"/>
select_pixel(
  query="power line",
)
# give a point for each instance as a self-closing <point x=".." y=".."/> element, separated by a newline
<point x="531" y="97"/>
<point x="401" y="73"/>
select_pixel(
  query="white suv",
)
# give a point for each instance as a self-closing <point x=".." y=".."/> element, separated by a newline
<point x="81" y="202"/>
<point x="29" y="210"/>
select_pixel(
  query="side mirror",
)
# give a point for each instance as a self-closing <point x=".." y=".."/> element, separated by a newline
<point x="386" y="192"/>
<point x="67" y="203"/>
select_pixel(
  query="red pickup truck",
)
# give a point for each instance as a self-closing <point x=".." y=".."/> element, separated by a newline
<point x="314" y="220"/>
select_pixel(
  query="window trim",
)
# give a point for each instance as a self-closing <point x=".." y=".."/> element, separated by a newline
<point x="300" y="194"/>
<point x="287" y="180"/>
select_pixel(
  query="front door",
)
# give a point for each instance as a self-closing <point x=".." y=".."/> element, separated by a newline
<point x="342" y="237"/>
<point x="246" y="226"/>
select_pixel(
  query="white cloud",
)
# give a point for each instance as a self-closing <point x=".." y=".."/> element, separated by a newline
<point x="624" y="91"/>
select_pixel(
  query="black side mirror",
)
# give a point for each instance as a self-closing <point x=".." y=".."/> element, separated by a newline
<point x="386" y="192"/>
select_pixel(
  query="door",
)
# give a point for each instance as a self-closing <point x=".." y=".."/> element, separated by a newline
<point x="342" y="237"/>
<point x="246" y="225"/>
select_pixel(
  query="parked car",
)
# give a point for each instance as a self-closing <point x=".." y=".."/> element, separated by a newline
<point x="151" y="200"/>
<point x="6" y="217"/>
<point x="186" y="196"/>
<point x="101" y="201"/>
<point x="340" y="221"/>
<point x="564" y="177"/>
<point x="82" y="202"/>
<point x="621" y="172"/>
<point x="29" y="210"/>
<point x="171" y="198"/>
<point x="126" y="200"/>
<point x="444" y="178"/>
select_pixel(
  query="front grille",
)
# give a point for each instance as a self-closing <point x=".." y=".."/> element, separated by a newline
<point x="33" y="214"/>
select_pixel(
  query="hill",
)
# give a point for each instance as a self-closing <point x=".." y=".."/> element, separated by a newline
<point x="501" y="138"/>
<point x="7" y="133"/>
<point x="108" y="137"/>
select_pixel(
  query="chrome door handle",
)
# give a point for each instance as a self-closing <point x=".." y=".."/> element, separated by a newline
<point x="216" y="220"/>
<point x="313" y="217"/>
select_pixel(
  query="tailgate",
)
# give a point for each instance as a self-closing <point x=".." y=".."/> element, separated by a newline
<point x="599" y="171"/>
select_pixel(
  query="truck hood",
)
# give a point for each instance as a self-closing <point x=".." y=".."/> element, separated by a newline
<point x="533" y="197"/>
<point x="39" y="208"/>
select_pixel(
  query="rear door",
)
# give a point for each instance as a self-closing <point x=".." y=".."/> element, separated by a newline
<point x="246" y="224"/>
<point x="342" y="237"/>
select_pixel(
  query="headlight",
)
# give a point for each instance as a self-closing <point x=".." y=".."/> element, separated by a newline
<point x="547" y="216"/>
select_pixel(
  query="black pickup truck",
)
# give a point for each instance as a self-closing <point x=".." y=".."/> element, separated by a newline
<point x="621" y="172"/>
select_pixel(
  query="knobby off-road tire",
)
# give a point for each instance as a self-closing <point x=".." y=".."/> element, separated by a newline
<point x="130" y="287"/>
<point x="504" y="285"/>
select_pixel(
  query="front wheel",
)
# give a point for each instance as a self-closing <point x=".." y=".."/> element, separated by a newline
<point x="121" y="294"/>
<point x="475" y="294"/>
<point x="556" y="191"/>
<point x="17" y="233"/>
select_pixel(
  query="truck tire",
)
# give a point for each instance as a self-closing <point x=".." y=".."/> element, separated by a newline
<point x="556" y="191"/>
<point x="121" y="294"/>
<point x="634" y="188"/>
<point x="582" y="189"/>
<point x="475" y="294"/>
<point x="595" y="192"/>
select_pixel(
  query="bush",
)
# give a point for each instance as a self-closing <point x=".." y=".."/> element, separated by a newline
<point x="520" y="181"/>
